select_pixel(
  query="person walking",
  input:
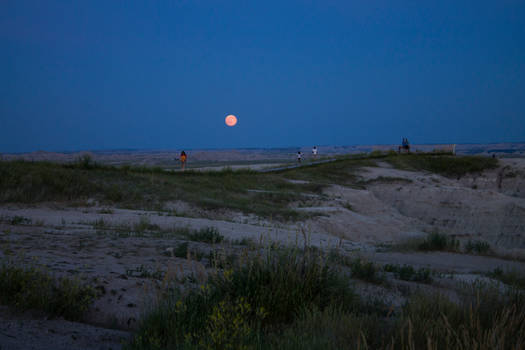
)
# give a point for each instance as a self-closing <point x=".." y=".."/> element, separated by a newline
<point x="299" y="156"/>
<point x="183" y="158"/>
<point x="314" y="152"/>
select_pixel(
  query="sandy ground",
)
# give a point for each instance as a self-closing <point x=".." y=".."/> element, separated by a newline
<point x="128" y="266"/>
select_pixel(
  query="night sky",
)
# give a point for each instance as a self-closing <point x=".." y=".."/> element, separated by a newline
<point x="79" y="75"/>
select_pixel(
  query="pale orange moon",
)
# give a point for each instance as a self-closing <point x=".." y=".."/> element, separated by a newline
<point x="230" y="120"/>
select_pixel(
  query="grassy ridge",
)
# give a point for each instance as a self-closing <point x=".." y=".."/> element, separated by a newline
<point x="266" y="195"/>
<point x="150" y="188"/>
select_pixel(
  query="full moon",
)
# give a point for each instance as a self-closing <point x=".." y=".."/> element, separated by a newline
<point x="230" y="120"/>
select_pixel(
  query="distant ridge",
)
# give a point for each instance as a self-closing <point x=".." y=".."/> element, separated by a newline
<point x="170" y="157"/>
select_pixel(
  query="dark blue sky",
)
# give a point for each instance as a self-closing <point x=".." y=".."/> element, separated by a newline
<point x="120" y="74"/>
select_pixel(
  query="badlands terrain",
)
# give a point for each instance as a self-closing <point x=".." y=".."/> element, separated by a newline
<point x="199" y="158"/>
<point x="129" y="232"/>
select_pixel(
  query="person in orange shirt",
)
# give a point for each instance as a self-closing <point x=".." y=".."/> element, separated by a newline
<point x="183" y="158"/>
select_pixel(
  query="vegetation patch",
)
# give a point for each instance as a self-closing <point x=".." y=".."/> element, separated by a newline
<point x="408" y="273"/>
<point x="446" y="165"/>
<point x="221" y="259"/>
<point x="510" y="277"/>
<point x="477" y="247"/>
<point x="20" y="220"/>
<point x="240" y="305"/>
<point x="485" y="318"/>
<point x="293" y="299"/>
<point x="433" y="242"/>
<point x="208" y="235"/>
<point x="439" y="241"/>
<point x="183" y="251"/>
<point x="34" y="288"/>
<point x="360" y="268"/>
<point x="386" y="180"/>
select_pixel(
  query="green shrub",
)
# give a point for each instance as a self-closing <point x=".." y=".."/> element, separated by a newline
<point x="330" y="328"/>
<point x="511" y="277"/>
<point x="33" y="288"/>
<point x="361" y="269"/>
<point x="145" y="224"/>
<point x="239" y="305"/>
<point x="219" y="258"/>
<point x="477" y="247"/>
<point x="484" y="319"/>
<point x="438" y="241"/>
<point x="365" y="270"/>
<point x="183" y="251"/>
<point x="20" y="220"/>
<point x="207" y="235"/>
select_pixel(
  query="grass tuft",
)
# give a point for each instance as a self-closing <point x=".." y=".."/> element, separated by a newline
<point x="34" y="288"/>
<point x="439" y="241"/>
<point x="477" y="247"/>
<point x="510" y="277"/>
<point x="432" y="242"/>
<point x="208" y="235"/>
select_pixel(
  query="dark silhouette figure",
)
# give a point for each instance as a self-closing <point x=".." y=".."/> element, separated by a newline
<point x="404" y="146"/>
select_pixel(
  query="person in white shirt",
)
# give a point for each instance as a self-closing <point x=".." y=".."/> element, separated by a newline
<point x="314" y="152"/>
<point x="299" y="156"/>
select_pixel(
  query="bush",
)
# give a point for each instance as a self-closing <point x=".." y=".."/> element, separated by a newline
<point x="20" y="220"/>
<point x="361" y="269"/>
<point x="438" y="241"/>
<point x="207" y="235"/>
<point x="513" y="278"/>
<point x="477" y="247"/>
<point x="330" y="329"/>
<point x="293" y="300"/>
<point x="238" y="306"/>
<point x="365" y="270"/>
<point x="32" y="288"/>
<point x="145" y="224"/>
<point x="183" y="251"/>
<point x="219" y="258"/>
<point x="485" y="319"/>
